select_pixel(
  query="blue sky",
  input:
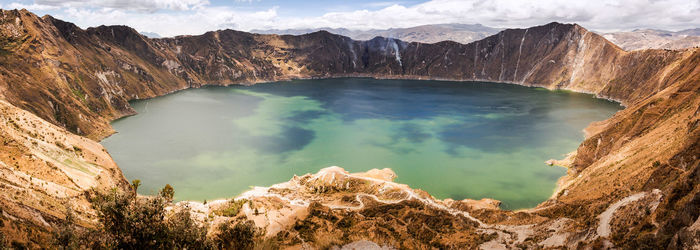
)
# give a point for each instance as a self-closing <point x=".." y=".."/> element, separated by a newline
<point x="189" y="17"/>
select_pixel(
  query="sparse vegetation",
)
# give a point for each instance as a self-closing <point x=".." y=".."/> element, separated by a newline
<point x="65" y="236"/>
<point x="235" y="236"/>
<point x="141" y="222"/>
<point x="3" y="241"/>
<point x="128" y="221"/>
<point x="78" y="93"/>
<point x="136" y="183"/>
<point x="6" y="45"/>
<point x="187" y="233"/>
<point x="232" y="208"/>
<point x="168" y="192"/>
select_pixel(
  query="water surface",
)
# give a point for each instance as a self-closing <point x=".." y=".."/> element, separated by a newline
<point x="453" y="139"/>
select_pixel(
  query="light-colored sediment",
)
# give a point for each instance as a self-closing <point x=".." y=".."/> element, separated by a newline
<point x="278" y="208"/>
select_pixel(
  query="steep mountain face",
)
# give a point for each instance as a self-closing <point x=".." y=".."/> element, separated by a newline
<point x="639" y="166"/>
<point x="432" y="33"/>
<point x="655" y="39"/>
<point x="93" y="73"/>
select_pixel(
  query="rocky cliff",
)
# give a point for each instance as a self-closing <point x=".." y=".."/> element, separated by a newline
<point x="632" y="182"/>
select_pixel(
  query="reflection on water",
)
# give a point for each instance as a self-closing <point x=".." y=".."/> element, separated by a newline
<point x="453" y="139"/>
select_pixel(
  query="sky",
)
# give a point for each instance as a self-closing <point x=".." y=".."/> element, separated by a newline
<point x="192" y="17"/>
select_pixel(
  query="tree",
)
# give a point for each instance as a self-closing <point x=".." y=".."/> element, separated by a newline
<point x="65" y="234"/>
<point x="239" y="236"/>
<point x="168" y="192"/>
<point x="132" y="222"/>
<point x="186" y="233"/>
<point x="136" y="183"/>
<point x="129" y="221"/>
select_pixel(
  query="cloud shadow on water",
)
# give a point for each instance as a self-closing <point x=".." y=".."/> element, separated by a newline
<point x="501" y="135"/>
<point x="411" y="133"/>
<point x="291" y="139"/>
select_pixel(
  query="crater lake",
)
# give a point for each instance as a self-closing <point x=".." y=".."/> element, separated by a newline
<point x="452" y="139"/>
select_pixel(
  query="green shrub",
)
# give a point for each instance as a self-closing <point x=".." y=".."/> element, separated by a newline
<point x="136" y="183"/>
<point x="128" y="221"/>
<point x="132" y="222"/>
<point x="238" y="236"/>
<point x="232" y="209"/>
<point x="65" y="236"/>
<point x="186" y="233"/>
<point x="3" y="241"/>
<point x="168" y="192"/>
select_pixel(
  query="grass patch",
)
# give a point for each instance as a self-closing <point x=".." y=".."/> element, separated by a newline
<point x="78" y="93"/>
<point x="232" y="208"/>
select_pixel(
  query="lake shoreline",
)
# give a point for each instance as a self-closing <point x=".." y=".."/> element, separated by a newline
<point x="516" y="105"/>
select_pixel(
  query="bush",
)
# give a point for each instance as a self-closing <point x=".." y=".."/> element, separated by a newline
<point x="3" y="241"/>
<point x="232" y="209"/>
<point x="128" y="221"/>
<point x="132" y="222"/>
<point x="136" y="183"/>
<point x="186" y="233"/>
<point x="238" y="236"/>
<point x="65" y="236"/>
<point x="168" y="192"/>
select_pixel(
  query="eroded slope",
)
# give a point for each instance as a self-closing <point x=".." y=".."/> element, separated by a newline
<point x="44" y="171"/>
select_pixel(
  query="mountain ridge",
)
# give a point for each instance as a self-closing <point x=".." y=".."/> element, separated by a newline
<point x="430" y="33"/>
<point x="640" y="39"/>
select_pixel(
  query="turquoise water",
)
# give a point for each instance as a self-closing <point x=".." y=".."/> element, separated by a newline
<point x="453" y="139"/>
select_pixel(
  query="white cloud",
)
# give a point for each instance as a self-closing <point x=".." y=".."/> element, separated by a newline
<point x="33" y="7"/>
<point x="598" y="14"/>
<point x="171" y="24"/>
<point x="198" y="16"/>
<point x="139" y="5"/>
<point x="381" y="4"/>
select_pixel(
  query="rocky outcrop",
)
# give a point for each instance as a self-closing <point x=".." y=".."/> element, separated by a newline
<point x="335" y="208"/>
<point x="80" y="80"/>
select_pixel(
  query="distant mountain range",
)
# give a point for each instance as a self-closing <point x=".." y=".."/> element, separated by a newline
<point x="466" y="33"/>
<point x="655" y="39"/>
<point x="151" y="34"/>
<point x="461" y="33"/>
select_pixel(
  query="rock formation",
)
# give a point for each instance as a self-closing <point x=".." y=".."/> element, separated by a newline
<point x="633" y="182"/>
